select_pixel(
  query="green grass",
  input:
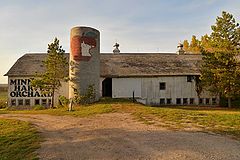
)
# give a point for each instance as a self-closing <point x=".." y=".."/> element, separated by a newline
<point x="209" y="119"/>
<point x="18" y="140"/>
<point x="3" y="96"/>
<point x="3" y="99"/>
<point x="79" y="111"/>
<point x="218" y="120"/>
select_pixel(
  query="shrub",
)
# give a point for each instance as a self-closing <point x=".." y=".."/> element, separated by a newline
<point x="3" y="104"/>
<point x="87" y="98"/>
<point x="63" y="101"/>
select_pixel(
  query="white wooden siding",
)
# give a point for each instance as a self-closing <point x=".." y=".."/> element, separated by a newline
<point x="124" y="87"/>
<point x="148" y="89"/>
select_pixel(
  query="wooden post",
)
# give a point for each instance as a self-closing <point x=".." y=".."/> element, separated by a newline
<point x="133" y="97"/>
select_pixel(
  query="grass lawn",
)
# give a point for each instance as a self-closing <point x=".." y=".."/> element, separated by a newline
<point x="18" y="140"/>
<point x="217" y="120"/>
<point x="3" y="96"/>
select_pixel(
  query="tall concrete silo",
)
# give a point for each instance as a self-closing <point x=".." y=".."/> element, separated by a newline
<point x="84" y="65"/>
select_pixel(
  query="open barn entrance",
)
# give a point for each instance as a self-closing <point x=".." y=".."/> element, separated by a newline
<point x="107" y="87"/>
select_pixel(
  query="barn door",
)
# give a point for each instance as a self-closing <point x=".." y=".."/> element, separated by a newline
<point x="107" y="87"/>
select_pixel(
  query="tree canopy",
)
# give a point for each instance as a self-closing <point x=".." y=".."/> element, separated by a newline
<point x="220" y="71"/>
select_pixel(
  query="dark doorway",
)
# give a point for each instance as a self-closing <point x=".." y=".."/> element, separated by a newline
<point x="107" y="87"/>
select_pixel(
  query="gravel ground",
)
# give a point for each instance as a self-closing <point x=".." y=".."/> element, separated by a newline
<point x="119" y="136"/>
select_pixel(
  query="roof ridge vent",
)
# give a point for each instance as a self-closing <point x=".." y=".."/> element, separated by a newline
<point x="180" y="48"/>
<point x="116" y="50"/>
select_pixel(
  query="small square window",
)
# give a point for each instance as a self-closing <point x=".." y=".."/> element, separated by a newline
<point x="190" y="78"/>
<point x="207" y="101"/>
<point x="37" y="101"/>
<point x="162" y="85"/>
<point x="162" y="101"/>
<point x="49" y="102"/>
<point x="169" y="101"/>
<point x="185" y="101"/>
<point x="200" y="100"/>
<point x="191" y="101"/>
<point x="178" y="101"/>
<point x="44" y="101"/>
<point x="27" y="102"/>
<point x="13" y="102"/>
<point x="20" y="102"/>
<point x="214" y="101"/>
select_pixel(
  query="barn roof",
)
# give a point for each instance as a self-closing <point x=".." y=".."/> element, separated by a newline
<point x="121" y="65"/>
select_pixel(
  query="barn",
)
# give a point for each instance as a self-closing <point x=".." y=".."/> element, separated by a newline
<point x="153" y="78"/>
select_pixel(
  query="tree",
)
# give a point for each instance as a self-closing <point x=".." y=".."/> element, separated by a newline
<point x="205" y="43"/>
<point x="185" y="45"/>
<point x="220" y="71"/>
<point x="193" y="47"/>
<point x="56" y="70"/>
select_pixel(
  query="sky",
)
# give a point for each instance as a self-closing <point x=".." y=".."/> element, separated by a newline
<point x="155" y="26"/>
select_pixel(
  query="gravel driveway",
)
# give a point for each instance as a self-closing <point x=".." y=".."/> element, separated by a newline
<point x="119" y="136"/>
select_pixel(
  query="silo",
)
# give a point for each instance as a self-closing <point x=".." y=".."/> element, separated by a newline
<point x="84" y="65"/>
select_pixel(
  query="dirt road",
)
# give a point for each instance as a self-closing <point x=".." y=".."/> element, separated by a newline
<point x="119" y="136"/>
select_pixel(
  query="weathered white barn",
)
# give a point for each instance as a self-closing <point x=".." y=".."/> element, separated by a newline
<point x="153" y="78"/>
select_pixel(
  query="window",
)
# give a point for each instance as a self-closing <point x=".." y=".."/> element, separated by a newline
<point x="13" y="102"/>
<point x="44" y="101"/>
<point x="207" y="101"/>
<point x="162" y="85"/>
<point x="200" y="100"/>
<point x="49" y="102"/>
<point x="27" y="102"/>
<point x="178" y="101"/>
<point x="214" y="101"/>
<point x="190" y="78"/>
<point x="185" y="101"/>
<point x="191" y="101"/>
<point x="169" y="101"/>
<point x="162" y="101"/>
<point x="20" y="102"/>
<point x="37" y="101"/>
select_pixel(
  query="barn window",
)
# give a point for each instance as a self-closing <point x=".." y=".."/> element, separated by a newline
<point x="214" y="100"/>
<point x="190" y="78"/>
<point x="178" y="101"/>
<point x="37" y="101"/>
<point x="20" y="102"/>
<point x="27" y="102"/>
<point x="185" y="101"/>
<point x="162" y="100"/>
<point x="169" y="101"/>
<point x="162" y="85"/>
<point x="200" y="100"/>
<point x="49" y="101"/>
<point x="207" y="101"/>
<point x="13" y="102"/>
<point x="44" y="101"/>
<point x="191" y="101"/>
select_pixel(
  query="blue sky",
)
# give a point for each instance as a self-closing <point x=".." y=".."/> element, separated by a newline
<point x="137" y="25"/>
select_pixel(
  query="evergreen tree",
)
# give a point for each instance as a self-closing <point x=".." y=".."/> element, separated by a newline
<point x="56" y="70"/>
<point x="220" y="71"/>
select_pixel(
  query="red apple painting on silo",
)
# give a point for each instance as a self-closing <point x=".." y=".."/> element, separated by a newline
<point x="81" y="46"/>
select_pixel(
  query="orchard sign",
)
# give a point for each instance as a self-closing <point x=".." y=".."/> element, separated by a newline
<point x="23" y="88"/>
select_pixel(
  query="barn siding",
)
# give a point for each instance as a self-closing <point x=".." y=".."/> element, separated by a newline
<point x="12" y="88"/>
<point x="147" y="89"/>
<point x="124" y="87"/>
